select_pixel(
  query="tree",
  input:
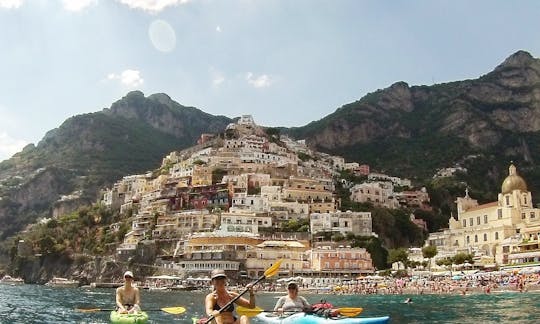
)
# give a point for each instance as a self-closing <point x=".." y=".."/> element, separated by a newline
<point x="398" y="255"/>
<point x="461" y="258"/>
<point x="429" y="252"/>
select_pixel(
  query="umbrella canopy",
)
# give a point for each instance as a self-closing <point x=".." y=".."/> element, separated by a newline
<point x="165" y="277"/>
<point x="457" y="277"/>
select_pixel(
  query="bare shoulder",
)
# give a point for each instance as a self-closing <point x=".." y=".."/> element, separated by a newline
<point x="120" y="289"/>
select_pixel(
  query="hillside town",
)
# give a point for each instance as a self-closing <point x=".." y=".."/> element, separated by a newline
<point x="221" y="205"/>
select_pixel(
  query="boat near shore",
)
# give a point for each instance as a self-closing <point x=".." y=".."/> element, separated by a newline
<point x="62" y="282"/>
<point x="8" y="280"/>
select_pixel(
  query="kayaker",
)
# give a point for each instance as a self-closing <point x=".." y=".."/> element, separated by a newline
<point x="215" y="300"/>
<point x="292" y="302"/>
<point x="128" y="299"/>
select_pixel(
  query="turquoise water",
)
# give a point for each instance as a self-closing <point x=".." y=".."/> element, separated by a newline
<point x="40" y="304"/>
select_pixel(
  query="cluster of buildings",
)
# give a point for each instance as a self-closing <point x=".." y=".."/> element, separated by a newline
<point x="503" y="232"/>
<point x="230" y="201"/>
<point x="224" y="202"/>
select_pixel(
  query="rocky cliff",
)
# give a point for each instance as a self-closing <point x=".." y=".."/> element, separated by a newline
<point x="414" y="130"/>
<point x="88" y="152"/>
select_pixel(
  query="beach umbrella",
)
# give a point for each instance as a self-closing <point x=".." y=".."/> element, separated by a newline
<point x="457" y="277"/>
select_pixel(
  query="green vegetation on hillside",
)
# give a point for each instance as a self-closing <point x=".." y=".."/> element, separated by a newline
<point x="69" y="236"/>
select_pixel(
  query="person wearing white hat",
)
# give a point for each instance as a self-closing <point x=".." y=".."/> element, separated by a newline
<point x="128" y="299"/>
<point x="220" y="297"/>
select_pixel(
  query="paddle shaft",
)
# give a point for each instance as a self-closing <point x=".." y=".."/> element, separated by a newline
<point x="235" y="298"/>
<point x="113" y="309"/>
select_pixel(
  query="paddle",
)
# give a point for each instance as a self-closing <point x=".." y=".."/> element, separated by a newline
<point x="345" y="311"/>
<point x="270" y="272"/>
<point x="171" y="310"/>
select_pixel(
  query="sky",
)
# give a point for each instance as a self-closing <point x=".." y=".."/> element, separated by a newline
<point x="286" y="63"/>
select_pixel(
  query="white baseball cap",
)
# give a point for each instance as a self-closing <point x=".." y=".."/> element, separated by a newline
<point x="128" y="274"/>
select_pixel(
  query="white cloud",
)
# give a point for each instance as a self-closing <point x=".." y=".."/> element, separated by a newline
<point x="218" y="29"/>
<point x="11" y="4"/>
<point x="10" y="145"/>
<point x="261" y="81"/>
<point x="152" y="5"/>
<point x="77" y="5"/>
<point x="130" y="78"/>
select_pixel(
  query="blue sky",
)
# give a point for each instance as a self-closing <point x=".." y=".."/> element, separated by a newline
<point x="284" y="62"/>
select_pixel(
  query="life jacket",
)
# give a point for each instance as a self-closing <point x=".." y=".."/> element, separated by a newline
<point x="322" y="305"/>
<point x="324" y="309"/>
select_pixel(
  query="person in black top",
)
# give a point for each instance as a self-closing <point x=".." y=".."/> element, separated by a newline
<point x="218" y="298"/>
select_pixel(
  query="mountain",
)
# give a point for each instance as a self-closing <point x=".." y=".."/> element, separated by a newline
<point x="90" y="151"/>
<point x="408" y="131"/>
<point x="412" y="131"/>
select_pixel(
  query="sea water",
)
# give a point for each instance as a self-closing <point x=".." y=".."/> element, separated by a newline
<point x="41" y="304"/>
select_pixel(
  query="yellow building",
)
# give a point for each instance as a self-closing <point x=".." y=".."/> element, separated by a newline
<point x="481" y="229"/>
<point x="264" y="255"/>
<point x="202" y="175"/>
<point x="306" y="190"/>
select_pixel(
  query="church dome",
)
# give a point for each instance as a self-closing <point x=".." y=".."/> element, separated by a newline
<point x="513" y="181"/>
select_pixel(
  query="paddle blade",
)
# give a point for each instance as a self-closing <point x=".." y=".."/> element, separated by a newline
<point x="174" y="310"/>
<point x="273" y="270"/>
<point x="350" y="311"/>
<point x="249" y="312"/>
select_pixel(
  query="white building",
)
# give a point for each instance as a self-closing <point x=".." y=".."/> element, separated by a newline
<point x="377" y="193"/>
<point x="241" y="221"/>
<point x="358" y="223"/>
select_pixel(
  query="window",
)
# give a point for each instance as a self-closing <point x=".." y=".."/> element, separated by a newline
<point x="468" y="240"/>
<point x="485" y="219"/>
<point x="507" y="200"/>
<point x="522" y="215"/>
<point x="475" y="238"/>
<point x="485" y="237"/>
<point x="532" y="215"/>
<point x="478" y="220"/>
<point x="464" y="223"/>
<point x="471" y="222"/>
<point x="496" y="235"/>
<point x="499" y="213"/>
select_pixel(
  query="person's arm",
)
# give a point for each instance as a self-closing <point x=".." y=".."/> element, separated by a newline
<point x="137" y="297"/>
<point x="279" y="304"/>
<point x="119" y="300"/>
<point x="243" y="301"/>
<point x="209" y="305"/>
<point x="305" y="303"/>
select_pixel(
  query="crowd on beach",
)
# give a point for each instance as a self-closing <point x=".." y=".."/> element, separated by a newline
<point x="485" y="282"/>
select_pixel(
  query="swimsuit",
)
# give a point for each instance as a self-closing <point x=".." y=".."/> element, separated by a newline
<point x="229" y="309"/>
